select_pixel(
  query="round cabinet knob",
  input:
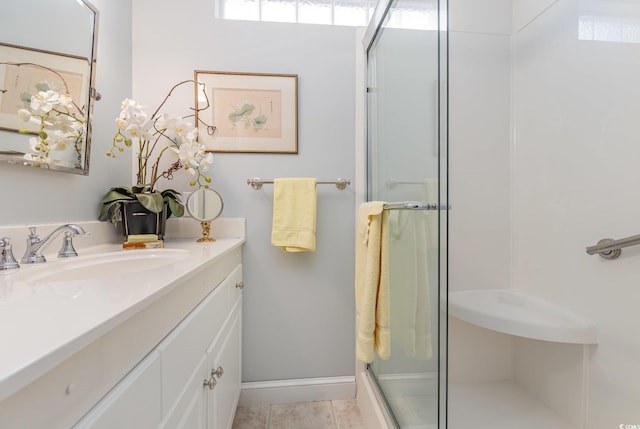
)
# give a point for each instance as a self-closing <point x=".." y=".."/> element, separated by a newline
<point x="211" y="383"/>
<point x="240" y="285"/>
<point x="218" y="372"/>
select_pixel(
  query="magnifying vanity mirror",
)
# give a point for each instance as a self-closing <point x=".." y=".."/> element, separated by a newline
<point x="47" y="73"/>
<point x="205" y="205"/>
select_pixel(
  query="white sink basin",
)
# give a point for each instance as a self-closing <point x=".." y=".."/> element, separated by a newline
<point x="103" y="265"/>
<point x="513" y="312"/>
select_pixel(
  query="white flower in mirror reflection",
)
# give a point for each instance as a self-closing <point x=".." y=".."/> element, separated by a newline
<point x="44" y="101"/>
<point x="59" y="127"/>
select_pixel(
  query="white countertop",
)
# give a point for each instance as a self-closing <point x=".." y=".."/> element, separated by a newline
<point x="44" y="322"/>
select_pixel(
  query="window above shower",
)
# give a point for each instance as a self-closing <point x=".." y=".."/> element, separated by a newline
<point x="410" y="14"/>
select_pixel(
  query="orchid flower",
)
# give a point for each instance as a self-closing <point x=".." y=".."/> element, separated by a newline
<point x="156" y="135"/>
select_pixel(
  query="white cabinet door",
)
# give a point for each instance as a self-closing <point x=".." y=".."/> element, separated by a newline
<point x="133" y="404"/>
<point x="183" y="349"/>
<point x="225" y="353"/>
<point x="189" y="411"/>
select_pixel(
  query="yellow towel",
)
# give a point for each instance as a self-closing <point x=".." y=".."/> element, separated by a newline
<point x="412" y="277"/>
<point x="372" y="282"/>
<point x="294" y="214"/>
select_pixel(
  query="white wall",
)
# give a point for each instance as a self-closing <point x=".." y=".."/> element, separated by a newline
<point x="298" y="314"/>
<point x="32" y="196"/>
<point x="576" y="178"/>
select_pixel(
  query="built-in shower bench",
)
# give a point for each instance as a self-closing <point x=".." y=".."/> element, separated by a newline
<point x="513" y="312"/>
<point x="502" y="404"/>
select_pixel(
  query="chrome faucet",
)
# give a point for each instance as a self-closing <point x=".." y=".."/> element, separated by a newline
<point x="35" y="246"/>
<point x="7" y="261"/>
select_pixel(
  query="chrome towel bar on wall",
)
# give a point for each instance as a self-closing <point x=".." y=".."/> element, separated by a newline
<point x="609" y="248"/>
<point x="256" y="182"/>
<point x="416" y="206"/>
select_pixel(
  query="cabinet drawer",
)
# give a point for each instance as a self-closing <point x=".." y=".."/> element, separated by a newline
<point x="184" y="347"/>
<point x="61" y="396"/>
<point x="133" y="404"/>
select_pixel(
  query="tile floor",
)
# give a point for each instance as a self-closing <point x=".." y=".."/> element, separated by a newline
<point x="338" y="414"/>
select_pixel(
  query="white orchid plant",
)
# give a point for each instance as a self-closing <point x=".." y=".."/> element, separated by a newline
<point x="154" y="137"/>
<point x="60" y="127"/>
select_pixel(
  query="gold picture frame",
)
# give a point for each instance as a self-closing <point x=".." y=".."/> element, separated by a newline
<point x="21" y="68"/>
<point x="250" y="112"/>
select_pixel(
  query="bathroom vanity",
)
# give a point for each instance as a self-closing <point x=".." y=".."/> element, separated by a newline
<point x="116" y="339"/>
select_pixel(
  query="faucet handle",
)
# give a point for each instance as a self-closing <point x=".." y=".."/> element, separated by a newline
<point x="7" y="261"/>
<point x="33" y="235"/>
<point x="67" y="250"/>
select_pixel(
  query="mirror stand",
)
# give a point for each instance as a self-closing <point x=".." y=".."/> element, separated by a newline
<point x="206" y="230"/>
<point x="205" y="205"/>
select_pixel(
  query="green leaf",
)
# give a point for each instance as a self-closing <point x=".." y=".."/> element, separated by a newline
<point x="172" y="199"/>
<point x="106" y="210"/>
<point x="175" y="207"/>
<point x="116" y="194"/>
<point x="151" y="201"/>
<point x="42" y="86"/>
<point x="140" y="189"/>
<point x="171" y="193"/>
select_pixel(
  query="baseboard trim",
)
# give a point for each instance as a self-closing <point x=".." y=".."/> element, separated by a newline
<point x="298" y="390"/>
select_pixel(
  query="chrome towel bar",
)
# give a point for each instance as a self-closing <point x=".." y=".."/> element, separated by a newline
<point x="256" y="182"/>
<point x="415" y="206"/>
<point x="609" y="248"/>
<point x="392" y="183"/>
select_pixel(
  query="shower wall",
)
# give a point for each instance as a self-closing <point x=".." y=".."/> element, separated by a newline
<point x="479" y="177"/>
<point x="545" y="145"/>
<point x="576" y="180"/>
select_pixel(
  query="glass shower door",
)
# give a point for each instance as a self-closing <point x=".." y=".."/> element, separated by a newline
<point x="407" y="162"/>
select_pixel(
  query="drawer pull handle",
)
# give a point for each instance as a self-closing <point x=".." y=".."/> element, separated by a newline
<point x="211" y="383"/>
<point x="219" y="372"/>
<point x="240" y="285"/>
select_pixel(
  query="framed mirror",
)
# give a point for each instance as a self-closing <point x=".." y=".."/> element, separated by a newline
<point x="205" y="205"/>
<point x="47" y="74"/>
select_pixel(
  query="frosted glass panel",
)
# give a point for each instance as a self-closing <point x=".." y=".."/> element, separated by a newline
<point x="409" y="14"/>
<point x="631" y="33"/>
<point x="315" y="12"/>
<point x="606" y="31"/>
<point x="241" y="9"/>
<point x="279" y="11"/>
<point x="414" y="15"/>
<point x="351" y="12"/>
